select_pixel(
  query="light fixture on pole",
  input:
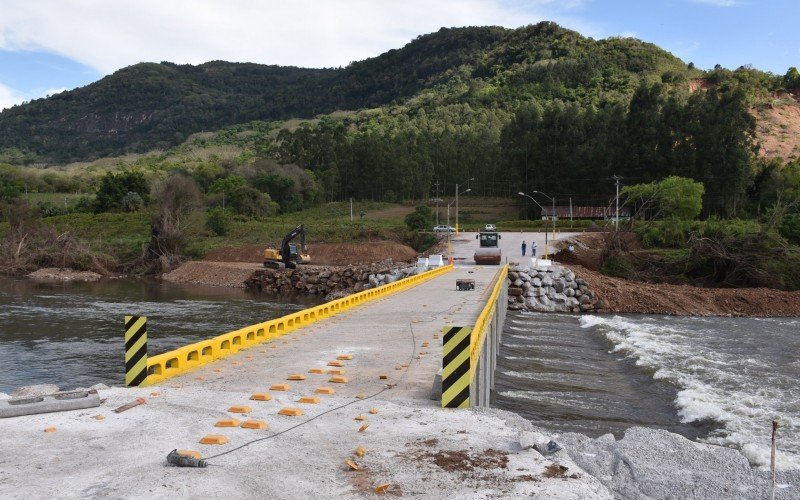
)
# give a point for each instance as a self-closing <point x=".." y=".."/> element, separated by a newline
<point x="553" y="214"/>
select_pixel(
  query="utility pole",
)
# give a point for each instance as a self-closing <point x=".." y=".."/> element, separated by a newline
<point x="351" y="209"/>
<point x="456" y="208"/>
<point x="437" y="202"/>
<point x="616" y="215"/>
<point x="570" y="211"/>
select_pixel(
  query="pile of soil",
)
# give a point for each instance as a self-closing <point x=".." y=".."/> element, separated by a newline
<point x="587" y="248"/>
<point x="228" y="274"/>
<point x="623" y="296"/>
<point x="325" y="254"/>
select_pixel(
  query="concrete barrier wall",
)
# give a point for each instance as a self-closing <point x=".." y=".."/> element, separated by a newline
<point x="190" y="357"/>
<point x="486" y="342"/>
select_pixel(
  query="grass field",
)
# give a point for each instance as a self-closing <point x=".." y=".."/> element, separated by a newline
<point x="124" y="235"/>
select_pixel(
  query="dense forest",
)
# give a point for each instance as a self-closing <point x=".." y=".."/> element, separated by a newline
<point x="150" y="105"/>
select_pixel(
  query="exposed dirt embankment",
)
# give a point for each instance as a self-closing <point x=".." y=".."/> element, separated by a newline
<point x="778" y="126"/>
<point x="325" y="254"/>
<point x="623" y="296"/>
<point x="626" y="296"/>
<point x="233" y="266"/>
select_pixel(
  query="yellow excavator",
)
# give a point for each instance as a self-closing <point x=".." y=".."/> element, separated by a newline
<point x="288" y="255"/>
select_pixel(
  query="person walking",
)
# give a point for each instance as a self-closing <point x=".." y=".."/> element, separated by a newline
<point x="524" y="246"/>
<point x="533" y="249"/>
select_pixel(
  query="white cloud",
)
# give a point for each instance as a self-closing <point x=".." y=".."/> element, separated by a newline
<point x="9" y="97"/>
<point x="718" y="3"/>
<point x="109" y="35"/>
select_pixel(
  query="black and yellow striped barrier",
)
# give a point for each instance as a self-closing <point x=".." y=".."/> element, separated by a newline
<point x="135" y="350"/>
<point x="456" y="367"/>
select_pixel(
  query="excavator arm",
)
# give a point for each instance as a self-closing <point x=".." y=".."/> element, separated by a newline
<point x="286" y="254"/>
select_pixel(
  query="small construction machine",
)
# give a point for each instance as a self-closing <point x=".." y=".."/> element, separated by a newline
<point x="289" y="255"/>
<point x="489" y="252"/>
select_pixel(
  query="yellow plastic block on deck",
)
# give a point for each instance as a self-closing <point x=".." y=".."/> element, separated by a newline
<point x="255" y="424"/>
<point x="214" y="439"/>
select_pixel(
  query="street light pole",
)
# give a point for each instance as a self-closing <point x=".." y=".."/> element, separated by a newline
<point x="468" y="190"/>
<point x="456" y="208"/>
<point x="546" y="253"/>
<point x="553" y="214"/>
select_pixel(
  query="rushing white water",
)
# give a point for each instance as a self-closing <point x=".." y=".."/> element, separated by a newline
<point x="741" y="373"/>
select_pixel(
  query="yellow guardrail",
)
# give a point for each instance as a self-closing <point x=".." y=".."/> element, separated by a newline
<point x="479" y="330"/>
<point x="190" y="357"/>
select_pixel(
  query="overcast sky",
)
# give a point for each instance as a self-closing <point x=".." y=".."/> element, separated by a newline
<point x="50" y="45"/>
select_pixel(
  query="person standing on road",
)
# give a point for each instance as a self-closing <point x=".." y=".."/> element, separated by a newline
<point x="524" y="246"/>
<point x="533" y="249"/>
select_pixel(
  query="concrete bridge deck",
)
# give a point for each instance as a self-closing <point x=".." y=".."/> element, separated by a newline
<point x="412" y="444"/>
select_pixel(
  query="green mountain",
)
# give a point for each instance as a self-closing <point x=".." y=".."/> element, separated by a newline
<point x="149" y="106"/>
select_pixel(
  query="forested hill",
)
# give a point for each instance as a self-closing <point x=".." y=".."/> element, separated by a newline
<point x="151" y="105"/>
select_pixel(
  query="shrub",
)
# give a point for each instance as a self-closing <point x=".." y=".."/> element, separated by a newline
<point x="790" y="228"/>
<point x="218" y="221"/>
<point x="617" y="266"/>
<point x="420" y="219"/>
<point x="115" y="187"/>
<point x="132" y="202"/>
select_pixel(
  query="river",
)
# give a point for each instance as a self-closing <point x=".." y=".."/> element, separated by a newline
<point x="71" y="335"/>
<point x="717" y="380"/>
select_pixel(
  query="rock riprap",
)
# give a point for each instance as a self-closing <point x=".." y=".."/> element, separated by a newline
<point x="330" y="281"/>
<point x="550" y="289"/>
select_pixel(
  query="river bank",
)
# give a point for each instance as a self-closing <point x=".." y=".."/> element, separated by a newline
<point x="624" y="296"/>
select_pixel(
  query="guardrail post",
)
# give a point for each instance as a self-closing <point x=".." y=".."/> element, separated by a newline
<point x="135" y="350"/>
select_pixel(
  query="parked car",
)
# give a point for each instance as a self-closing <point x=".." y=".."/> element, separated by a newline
<point x="490" y="227"/>
<point x="444" y="229"/>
